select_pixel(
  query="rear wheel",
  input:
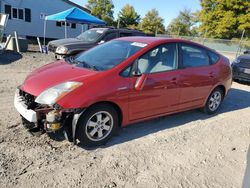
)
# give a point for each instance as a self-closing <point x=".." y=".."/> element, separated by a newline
<point x="97" y="125"/>
<point x="214" y="101"/>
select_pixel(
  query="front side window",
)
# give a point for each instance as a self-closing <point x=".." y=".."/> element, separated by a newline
<point x="161" y="58"/>
<point x="193" y="56"/>
<point x="107" y="55"/>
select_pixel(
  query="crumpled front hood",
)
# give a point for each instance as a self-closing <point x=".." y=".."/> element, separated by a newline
<point x="53" y="74"/>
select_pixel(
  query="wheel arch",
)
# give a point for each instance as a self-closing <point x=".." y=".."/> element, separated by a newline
<point x="115" y="106"/>
<point x="221" y="86"/>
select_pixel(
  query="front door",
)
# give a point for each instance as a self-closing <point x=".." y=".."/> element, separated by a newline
<point x="160" y="92"/>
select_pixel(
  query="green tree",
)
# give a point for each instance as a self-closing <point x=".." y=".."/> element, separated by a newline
<point x="128" y="17"/>
<point x="225" y="18"/>
<point x="152" y="23"/>
<point x="183" y="24"/>
<point x="103" y="9"/>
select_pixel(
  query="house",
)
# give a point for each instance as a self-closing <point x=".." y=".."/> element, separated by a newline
<point x="27" y="18"/>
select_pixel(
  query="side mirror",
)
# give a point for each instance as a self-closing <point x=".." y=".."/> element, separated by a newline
<point x="136" y="73"/>
<point x="139" y="84"/>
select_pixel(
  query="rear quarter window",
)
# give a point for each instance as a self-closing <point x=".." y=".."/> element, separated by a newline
<point x="213" y="57"/>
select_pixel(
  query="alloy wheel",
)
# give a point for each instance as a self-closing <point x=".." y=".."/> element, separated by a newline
<point x="99" y="126"/>
<point x="215" y="101"/>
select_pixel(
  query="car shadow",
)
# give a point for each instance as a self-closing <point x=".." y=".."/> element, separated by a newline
<point x="8" y="57"/>
<point x="235" y="100"/>
<point x="242" y="82"/>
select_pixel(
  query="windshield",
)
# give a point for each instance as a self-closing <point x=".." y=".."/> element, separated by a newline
<point x="107" y="55"/>
<point x="91" y="35"/>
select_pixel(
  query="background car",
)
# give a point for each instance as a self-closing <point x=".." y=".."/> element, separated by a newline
<point x="241" y="67"/>
<point x="121" y="82"/>
<point x="88" y="39"/>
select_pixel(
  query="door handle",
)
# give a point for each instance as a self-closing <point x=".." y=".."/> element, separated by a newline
<point x="211" y="75"/>
<point x="174" y="80"/>
<point x="159" y="87"/>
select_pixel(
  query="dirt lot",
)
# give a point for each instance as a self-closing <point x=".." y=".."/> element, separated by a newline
<point x="184" y="150"/>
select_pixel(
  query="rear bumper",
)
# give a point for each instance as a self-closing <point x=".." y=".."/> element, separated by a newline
<point x="21" y="107"/>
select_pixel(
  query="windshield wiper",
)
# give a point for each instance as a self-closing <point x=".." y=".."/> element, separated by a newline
<point x="85" y="64"/>
<point x="93" y="67"/>
<point x="72" y="60"/>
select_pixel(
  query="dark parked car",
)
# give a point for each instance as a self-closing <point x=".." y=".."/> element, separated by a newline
<point x="241" y="67"/>
<point x="88" y="39"/>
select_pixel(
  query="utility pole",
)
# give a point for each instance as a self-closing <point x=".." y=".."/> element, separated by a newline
<point x="204" y="37"/>
<point x="239" y="48"/>
<point x="179" y="30"/>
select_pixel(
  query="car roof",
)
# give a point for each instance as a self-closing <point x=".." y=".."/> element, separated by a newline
<point x="152" y="40"/>
<point x="116" y="29"/>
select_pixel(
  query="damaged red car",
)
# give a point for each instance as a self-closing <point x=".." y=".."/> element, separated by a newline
<point x="121" y="82"/>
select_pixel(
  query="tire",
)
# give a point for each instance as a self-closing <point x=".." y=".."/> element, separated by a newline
<point x="27" y="125"/>
<point x="97" y="125"/>
<point x="214" y="101"/>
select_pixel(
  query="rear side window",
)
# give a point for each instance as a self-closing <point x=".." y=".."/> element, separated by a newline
<point x="124" y="34"/>
<point x="213" y="57"/>
<point x="193" y="56"/>
<point x="110" y="36"/>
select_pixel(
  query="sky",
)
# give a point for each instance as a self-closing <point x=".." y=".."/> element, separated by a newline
<point x="168" y="9"/>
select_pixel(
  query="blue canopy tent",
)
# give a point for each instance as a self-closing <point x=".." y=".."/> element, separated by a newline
<point x="73" y="15"/>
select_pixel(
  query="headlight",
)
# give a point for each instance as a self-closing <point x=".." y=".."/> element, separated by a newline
<point x="53" y="94"/>
<point x="61" y="50"/>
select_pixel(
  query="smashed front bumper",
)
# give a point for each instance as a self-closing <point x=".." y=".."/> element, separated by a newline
<point x="43" y="118"/>
<point x="39" y="116"/>
<point x="21" y="107"/>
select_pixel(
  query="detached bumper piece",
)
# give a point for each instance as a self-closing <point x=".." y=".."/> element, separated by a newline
<point x="38" y="118"/>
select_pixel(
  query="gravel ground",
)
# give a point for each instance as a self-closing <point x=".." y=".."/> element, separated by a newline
<point x="188" y="149"/>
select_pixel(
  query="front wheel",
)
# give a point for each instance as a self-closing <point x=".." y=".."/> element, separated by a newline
<point x="214" y="101"/>
<point x="97" y="125"/>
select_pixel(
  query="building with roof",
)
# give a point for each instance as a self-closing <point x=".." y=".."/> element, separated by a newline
<point x="27" y="18"/>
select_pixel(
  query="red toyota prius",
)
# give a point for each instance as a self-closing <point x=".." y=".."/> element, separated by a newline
<point x="120" y="82"/>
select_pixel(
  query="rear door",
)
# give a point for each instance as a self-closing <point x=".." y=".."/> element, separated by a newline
<point x="197" y="76"/>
